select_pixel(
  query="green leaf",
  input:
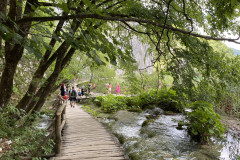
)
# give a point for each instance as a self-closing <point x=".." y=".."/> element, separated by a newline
<point x="233" y="3"/>
<point x="64" y="7"/>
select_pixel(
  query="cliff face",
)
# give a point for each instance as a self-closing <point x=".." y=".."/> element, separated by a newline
<point x="140" y="54"/>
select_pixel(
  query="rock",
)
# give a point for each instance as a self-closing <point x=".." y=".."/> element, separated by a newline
<point x="9" y="142"/>
<point x="155" y="111"/>
<point x="146" y="122"/>
<point x="125" y="117"/>
<point x="170" y="113"/>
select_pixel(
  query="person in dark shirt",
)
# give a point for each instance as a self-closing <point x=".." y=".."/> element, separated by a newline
<point x="73" y="97"/>
<point x="62" y="90"/>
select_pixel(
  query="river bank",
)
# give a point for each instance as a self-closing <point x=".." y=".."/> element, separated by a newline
<point x="161" y="139"/>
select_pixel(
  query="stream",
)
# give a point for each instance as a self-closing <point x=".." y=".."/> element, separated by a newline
<point x="160" y="140"/>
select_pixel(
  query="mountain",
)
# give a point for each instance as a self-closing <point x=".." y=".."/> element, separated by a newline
<point x="236" y="51"/>
<point x="143" y="59"/>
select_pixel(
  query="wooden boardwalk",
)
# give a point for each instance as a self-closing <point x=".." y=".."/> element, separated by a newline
<point x="84" y="138"/>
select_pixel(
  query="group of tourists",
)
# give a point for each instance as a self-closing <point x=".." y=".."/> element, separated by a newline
<point x="69" y="93"/>
<point x="109" y="86"/>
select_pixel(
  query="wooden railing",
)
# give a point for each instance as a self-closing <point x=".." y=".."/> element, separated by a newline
<point x="60" y="121"/>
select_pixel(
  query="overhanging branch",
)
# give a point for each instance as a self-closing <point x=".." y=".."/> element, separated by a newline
<point x="122" y="19"/>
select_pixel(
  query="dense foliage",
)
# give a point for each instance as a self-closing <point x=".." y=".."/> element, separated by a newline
<point x="25" y="140"/>
<point x="165" y="99"/>
<point x="204" y="123"/>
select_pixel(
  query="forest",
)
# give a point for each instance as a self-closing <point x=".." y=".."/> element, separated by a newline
<point x="167" y="53"/>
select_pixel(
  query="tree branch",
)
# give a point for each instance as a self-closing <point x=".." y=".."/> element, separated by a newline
<point x="130" y="27"/>
<point x="132" y="19"/>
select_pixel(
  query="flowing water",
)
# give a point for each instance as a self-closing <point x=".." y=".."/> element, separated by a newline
<point x="44" y="122"/>
<point x="161" y="140"/>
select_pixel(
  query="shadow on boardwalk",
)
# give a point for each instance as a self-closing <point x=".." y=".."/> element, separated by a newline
<point x="84" y="138"/>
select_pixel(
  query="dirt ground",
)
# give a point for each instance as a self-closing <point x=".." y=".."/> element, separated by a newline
<point x="232" y="123"/>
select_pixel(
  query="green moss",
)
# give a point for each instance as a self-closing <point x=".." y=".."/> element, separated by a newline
<point x="120" y="138"/>
<point x="146" y="122"/>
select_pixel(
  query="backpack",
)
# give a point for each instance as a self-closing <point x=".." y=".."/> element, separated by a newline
<point x="73" y="93"/>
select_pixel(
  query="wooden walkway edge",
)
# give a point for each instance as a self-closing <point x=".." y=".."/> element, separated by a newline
<point x="84" y="138"/>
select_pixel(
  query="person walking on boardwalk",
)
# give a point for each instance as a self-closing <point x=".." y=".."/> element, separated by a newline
<point x="65" y="97"/>
<point x="118" y="89"/>
<point x="73" y="97"/>
<point x="89" y="88"/>
<point x="109" y="88"/>
<point x="62" y="90"/>
<point x="83" y="90"/>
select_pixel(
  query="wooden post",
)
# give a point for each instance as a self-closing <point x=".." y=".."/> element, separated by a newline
<point x="64" y="113"/>
<point x="58" y="133"/>
<point x="59" y="124"/>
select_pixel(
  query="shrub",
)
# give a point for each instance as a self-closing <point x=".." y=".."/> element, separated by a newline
<point x="90" y="110"/>
<point x="165" y="99"/>
<point x="204" y="123"/>
<point x="25" y="139"/>
<point x="111" y="103"/>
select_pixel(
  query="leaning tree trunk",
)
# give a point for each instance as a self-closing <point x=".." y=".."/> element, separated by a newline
<point x="28" y="100"/>
<point x="38" y="75"/>
<point x="49" y="84"/>
<point x="3" y="10"/>
<point x="6" y="84"/>
<point x="44" y="64"/>
<point x="13" y="51"/>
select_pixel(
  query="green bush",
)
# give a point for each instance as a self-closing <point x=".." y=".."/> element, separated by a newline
<point x="90" y="110"/>
<point x="165" y="99"/>
<point x="204" y="123"/>
<point x="25" y="139"/>
<point x="111" y="103"/>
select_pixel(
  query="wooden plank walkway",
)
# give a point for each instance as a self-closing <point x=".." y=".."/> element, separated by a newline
<point x="84" y="138"/>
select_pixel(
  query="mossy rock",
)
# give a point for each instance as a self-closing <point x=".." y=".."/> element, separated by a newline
<point x="148" y="133"/>
<point x="135" y="110"/>
<point x="135" y="156"/>
<point x="146" y="122"/>
<point x="149" y="116"/>
<point x="170" y="113"/>
<point x="145" y="107"/>
<point x="120" y="138"/>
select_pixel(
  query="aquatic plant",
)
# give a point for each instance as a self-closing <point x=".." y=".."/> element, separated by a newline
<point x="204" y="123"/>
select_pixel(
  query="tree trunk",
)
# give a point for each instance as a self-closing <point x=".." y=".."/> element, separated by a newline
<point x="13" y="53"/>
<point x="38" y="75"/>
<point x="3" y="10"/>
<point x="6" y="84"/>
<point x="49" y="84"/>
<point x="43" y="92"/>
<point x="28" y="102"/>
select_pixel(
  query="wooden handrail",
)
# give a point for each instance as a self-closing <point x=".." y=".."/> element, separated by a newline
<point x="60" y="120"/>
<point x="60" y="109"/>
<point x="59" y="124"/>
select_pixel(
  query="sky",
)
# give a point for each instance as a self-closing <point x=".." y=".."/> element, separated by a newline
<point x="232" y="45"/>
